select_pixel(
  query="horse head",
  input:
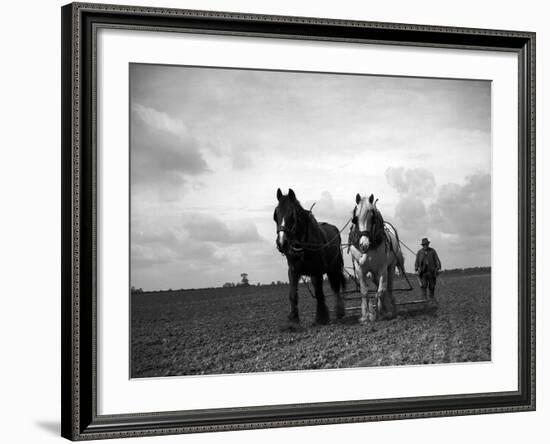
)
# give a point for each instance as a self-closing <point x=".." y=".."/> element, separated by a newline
<point x="368" y="220"/>
<point x="288" y="217"/>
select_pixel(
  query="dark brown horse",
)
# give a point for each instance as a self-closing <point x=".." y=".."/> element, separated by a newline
<point x="311" y="249"/>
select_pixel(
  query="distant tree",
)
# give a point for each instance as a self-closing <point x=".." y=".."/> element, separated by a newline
<point x="244" y="280"/>
<point x="272" y="282"/>
<point x="228" y="285"/>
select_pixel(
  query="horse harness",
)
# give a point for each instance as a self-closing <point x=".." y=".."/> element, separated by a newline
<point x="376" y="234"/>
<point x="299" y="247"/>
<point x="292" y="232"/>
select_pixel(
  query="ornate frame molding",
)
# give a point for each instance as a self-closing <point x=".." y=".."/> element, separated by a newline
<point x="79" y="395"/>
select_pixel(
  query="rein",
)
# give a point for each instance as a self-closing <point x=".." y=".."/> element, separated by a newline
<point x="316" y="246"/>
<point x="299" y="246"/>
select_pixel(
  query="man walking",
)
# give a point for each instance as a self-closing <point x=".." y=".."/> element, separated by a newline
<point x="427" y="266"/>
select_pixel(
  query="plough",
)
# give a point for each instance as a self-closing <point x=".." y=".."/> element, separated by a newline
<point x="355" y="294"/>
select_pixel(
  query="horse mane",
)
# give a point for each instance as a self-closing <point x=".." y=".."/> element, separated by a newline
<point x="372" y="206"/>
<point x="378" y="214"/>
<point x="297" y="209"/>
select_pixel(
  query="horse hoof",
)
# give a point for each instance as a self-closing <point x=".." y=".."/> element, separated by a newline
<point x="321" y="321"/>
<point x="340" y="313"/>
<point x="293" y="318"/>
<point x="292" y="324"/>
<point x="290" y="327"/>
<point x="363" y="320"/>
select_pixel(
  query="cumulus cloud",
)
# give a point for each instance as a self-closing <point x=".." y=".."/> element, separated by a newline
<point x="194" y="242"/>
<point x="414" y="187"/>
<point x="158" y="244"/>
<point x="208" y="228"/>
<point x="466" y="209"/>
<point x="159" y="120"/>
<point x="331" y="210"/>
<point x="456" y="217"/>
<point x="419" y="182"/>
<point x="163" y="152"/>
<point x="167" y="248"/>
<point x="412" y="214"/>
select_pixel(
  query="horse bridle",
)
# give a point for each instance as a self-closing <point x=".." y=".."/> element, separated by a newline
<point x="368" y="233"/>
<point x="282" y="227"/>
<point x="291" y="232"/>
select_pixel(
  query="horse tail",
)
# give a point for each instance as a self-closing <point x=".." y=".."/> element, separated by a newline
<point x="336" y="277"/>
<point x="400" y="257"/>
<point x="341" y="274"/>
<point x="400" y="260"/>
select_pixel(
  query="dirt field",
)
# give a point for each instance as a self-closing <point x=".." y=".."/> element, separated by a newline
<point x="235" y="330"/>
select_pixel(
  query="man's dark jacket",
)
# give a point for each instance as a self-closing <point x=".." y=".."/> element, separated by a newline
<point x="427" y="261"/>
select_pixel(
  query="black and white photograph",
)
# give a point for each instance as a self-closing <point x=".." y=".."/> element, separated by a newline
<point x="292" y="221"/>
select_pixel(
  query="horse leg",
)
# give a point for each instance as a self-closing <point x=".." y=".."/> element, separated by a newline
<point x="364" y="288"/>
<point x="371" y="302"/>
<point x="380" y="294"/>
<point x="389" y="300"/>
<point x="322" y="317"/>
<point x="340" y="305"/>
<point x="293" y="296"/>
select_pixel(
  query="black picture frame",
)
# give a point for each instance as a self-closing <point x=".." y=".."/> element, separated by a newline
<point x="78" y="333"/>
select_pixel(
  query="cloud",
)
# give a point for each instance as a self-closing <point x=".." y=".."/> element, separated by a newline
<point x="328" y="209"/>
<point x="412" y="214"/>
<point x="159" y="120"/>
<point x="416" y="181"/>
<point x="163" y="152"/>
<point x="161" y="245"/>
<point x="158" y="253"/>
<point x="241" y="157"/>
<point x="414" y="186"/>
<point x="456" y="218"/>
<point x="464" y="210"/>
<point x="186" y="250"/>
<point x="211" y="229"/>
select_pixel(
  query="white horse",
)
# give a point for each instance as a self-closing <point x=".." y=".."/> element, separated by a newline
<point x="376" y="253"/>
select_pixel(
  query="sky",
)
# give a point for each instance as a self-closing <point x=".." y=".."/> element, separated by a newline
<point x="210" y="146"/>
